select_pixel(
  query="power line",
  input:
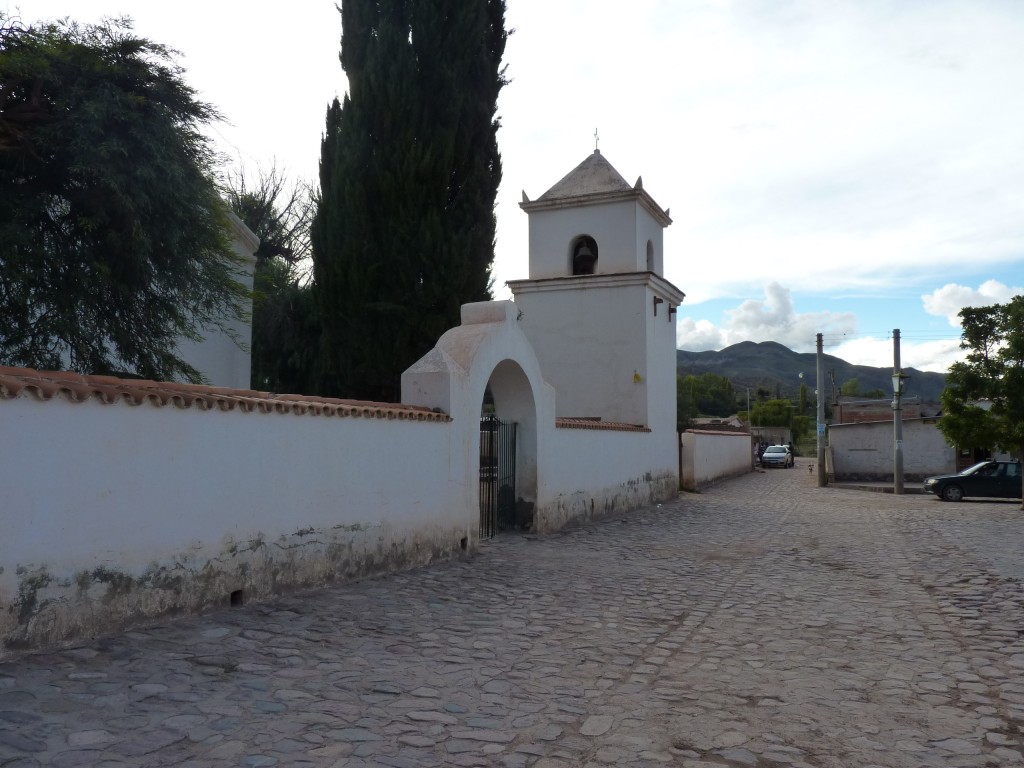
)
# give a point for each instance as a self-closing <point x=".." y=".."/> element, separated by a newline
<point x="834" y="340"/>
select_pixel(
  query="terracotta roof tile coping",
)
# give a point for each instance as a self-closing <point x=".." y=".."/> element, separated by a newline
<point x="77" y="388"/>
<point x="591" y="423"/>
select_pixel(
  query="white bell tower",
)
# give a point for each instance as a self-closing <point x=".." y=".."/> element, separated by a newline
<point x="596" y="307"/>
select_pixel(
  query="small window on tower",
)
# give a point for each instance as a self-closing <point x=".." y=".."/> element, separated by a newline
<point x="584" y="256"/>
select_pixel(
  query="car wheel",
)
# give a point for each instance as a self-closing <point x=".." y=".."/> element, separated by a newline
<point x="953" y="493"/>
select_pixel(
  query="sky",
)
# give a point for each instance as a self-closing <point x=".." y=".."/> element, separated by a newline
<point x="843" y="167"/>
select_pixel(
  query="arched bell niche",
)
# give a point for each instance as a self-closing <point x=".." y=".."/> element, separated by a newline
<point x="584" y="255"/>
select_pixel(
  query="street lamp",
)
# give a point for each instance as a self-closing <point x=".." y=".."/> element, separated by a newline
<point x="898" y="377"/>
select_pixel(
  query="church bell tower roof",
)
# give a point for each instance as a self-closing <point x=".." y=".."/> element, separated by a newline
<point x="593" y="176"/>
<point x="592" y="182"/>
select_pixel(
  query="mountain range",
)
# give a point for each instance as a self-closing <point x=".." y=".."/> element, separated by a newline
<point x="771" y="366"/>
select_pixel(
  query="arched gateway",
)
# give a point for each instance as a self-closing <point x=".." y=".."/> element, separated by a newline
<point x="583" y="363"/>
<point x="487" y="351"/>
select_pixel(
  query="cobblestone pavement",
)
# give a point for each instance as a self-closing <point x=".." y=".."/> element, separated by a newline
<point x="764" y="622"/>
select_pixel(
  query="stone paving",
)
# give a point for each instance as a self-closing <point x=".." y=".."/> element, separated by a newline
<point x="764" y="622"/>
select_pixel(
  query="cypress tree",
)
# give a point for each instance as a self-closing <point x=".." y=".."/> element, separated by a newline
<point x="409" y="170"/>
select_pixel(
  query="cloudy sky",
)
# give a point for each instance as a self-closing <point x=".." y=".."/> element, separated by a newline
<point x="836" y="166"/>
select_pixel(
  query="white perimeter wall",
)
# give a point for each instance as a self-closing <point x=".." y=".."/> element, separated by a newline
<point x="588" y="474"/>
<point x="114" y="514"/>
<point x="864" y="451"/>
<point x="710" y="456"/>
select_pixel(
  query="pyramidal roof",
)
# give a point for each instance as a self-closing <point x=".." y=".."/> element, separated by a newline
<point x="594" y="182"/>
<point x="595" y="175"/>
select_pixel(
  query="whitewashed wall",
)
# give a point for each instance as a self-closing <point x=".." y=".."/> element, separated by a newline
<point x="621" y="234"/>
<point x="224" y="356"/>
<point x="116" y="514"/>
<point x="569" y="474"/>
<point x="709" y="456"/>
<point x="864" y="451"/>
<point x="589" y="474"/>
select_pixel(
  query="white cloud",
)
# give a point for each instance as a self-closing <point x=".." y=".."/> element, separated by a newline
<point x="850" y="143"/>
<point x="775" y="318"/>
<point x="772" y="319"/>
<point x="934" y="355"/>
<point x="948" y="300"/>
<point x="698" y="335"/>
<point x="848" y="148"/>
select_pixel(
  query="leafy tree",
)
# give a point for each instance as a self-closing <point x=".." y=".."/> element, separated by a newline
<point x="772" y="413"/>
<point x="686" y="403"/>
<point x="409" y="170"/>
<point x="706" y="395"/>
<point x="983" y="403"/>
<point x="113" y="235"/>
<point x="850" y="388"/>
<point x="781" y="413"/>
<point x="285" y="325"/>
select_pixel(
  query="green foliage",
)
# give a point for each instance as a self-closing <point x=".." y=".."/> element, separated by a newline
<point x="409" y="170"/>
<point x="772" y="413"/>
<point x="983" y="403"/>
<point x="686" y="403"/>
<point x="850" y="388"/>
<point x="285" y="325"/>
<point x="781" y="413"/>
<point x="704" y="395"/>
<point x="113" y="236"/>
<point x="285" y="331"/>
<point x="800" y="427"/>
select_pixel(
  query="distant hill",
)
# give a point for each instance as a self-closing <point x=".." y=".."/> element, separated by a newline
<point x="771" y="366"/>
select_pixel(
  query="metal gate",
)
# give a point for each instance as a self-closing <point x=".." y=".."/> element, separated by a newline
<point x="497" y="476"/>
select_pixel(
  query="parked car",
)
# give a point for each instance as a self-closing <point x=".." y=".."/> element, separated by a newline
<point x="999" y="479"/>
<point x="777" y="456"/>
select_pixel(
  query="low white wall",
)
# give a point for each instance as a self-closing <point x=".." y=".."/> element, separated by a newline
<point x="588" y="474"/>
<point x="117" y="514"/>
<point x="864" y="451"/>
<point x="709" y="456"/>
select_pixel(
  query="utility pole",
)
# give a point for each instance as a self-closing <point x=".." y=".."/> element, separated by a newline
<point x="750" y="426"/>
<point x="820" y="418"/>
<point x="897" y="415"/>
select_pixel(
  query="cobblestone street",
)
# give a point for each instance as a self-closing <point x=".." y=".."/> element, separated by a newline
<point x="763" y="622"/>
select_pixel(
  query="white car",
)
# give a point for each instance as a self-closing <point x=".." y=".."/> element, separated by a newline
<point x="777" y="456"/>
